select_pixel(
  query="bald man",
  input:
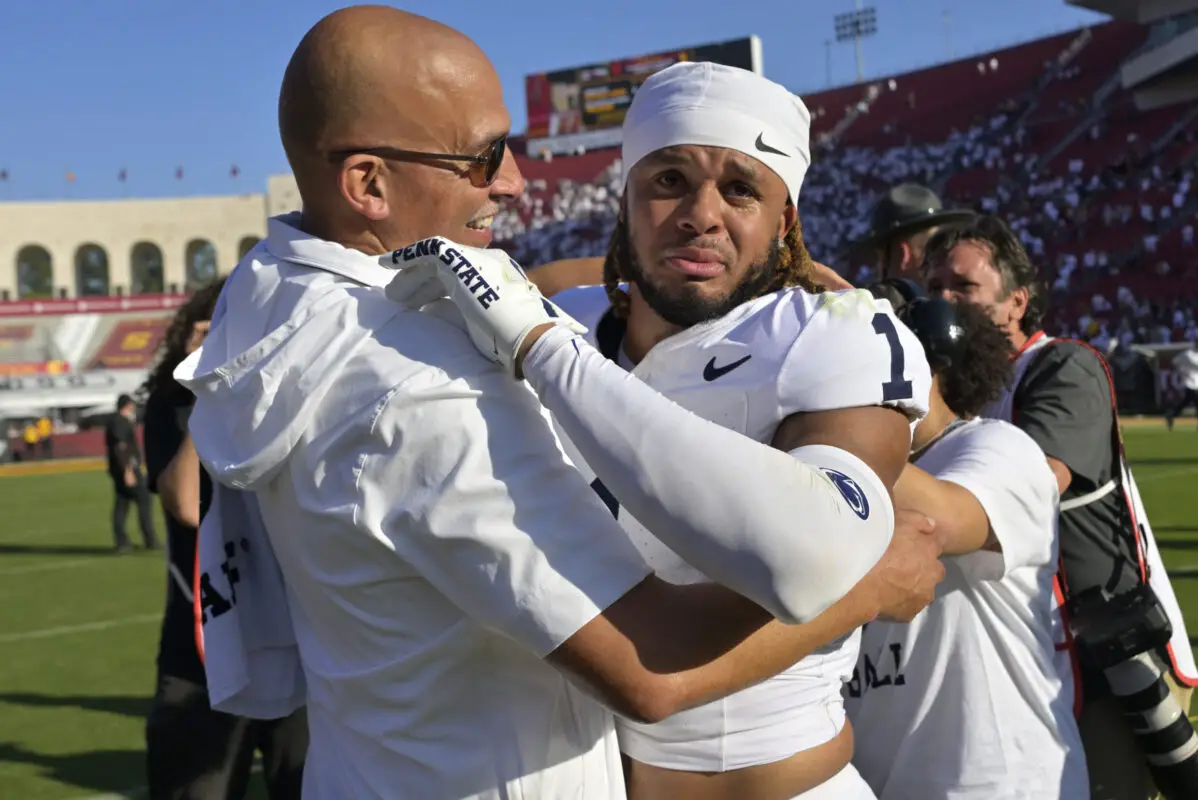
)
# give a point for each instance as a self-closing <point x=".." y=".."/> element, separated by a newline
<point x="466" y="612"/>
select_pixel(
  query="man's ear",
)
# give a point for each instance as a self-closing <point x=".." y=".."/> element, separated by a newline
<point x="1019" y="300"/>
<point x="361" y="184"/>
<point x="790" y="216"/>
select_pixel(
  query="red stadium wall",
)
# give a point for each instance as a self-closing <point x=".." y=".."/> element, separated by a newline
<point x="91" y="305"/>
<point x="85" y="444"/>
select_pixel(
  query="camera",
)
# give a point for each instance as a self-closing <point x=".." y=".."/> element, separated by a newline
<point x="1109" y="629"/>
<point x="1118" y="636"/>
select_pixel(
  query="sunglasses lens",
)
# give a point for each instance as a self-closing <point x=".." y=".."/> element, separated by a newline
<point x="495" y="161"/>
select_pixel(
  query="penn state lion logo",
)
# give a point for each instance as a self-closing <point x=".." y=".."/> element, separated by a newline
<point x="851" y="492"/>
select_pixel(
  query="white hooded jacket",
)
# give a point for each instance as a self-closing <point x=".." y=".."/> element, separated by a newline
<point x="417" y="534"/>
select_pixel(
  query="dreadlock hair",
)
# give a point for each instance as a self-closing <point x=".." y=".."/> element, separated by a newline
<point x="795" y="266"/>
<point x="977" y="379"/>
<point x="173" y="350"/>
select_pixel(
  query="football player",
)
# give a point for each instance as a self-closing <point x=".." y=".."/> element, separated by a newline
<point x="709" y="301"/>
<point x="965" y="701"/>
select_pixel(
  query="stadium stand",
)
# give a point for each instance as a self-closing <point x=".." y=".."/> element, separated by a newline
<point x="1041" y="133"/>
<point x="70" y="367"/>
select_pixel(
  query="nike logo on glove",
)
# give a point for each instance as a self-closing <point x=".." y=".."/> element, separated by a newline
<point x="711" y="371"/>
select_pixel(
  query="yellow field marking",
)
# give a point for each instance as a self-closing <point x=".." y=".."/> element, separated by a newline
<point x="59" y="467"/>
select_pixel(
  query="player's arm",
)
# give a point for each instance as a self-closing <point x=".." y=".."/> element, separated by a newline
<point x="120" y="446"/>
<point x="172" y="466"/>
<point x="557" y="276"/>
<point x="766" y="523"/>
<point x="1064" y="403"/>
<point x="497" y="520"/>
<point x="961" y="523"/>
<point x="663" y="648"/>
<point x="998" y="500"/>
<point x="179" y="485"/>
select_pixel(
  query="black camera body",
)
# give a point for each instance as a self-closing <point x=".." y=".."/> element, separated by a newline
<point x="1119" y="636"/>
<point x="1110" y="629"/>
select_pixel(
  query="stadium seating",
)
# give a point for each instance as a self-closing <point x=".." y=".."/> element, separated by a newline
<point x="1041" y="134"/>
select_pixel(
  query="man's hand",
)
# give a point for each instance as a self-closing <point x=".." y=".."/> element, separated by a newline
<point x="504" y="311"/>
<point x="130" y="477"/>
<point x="903" y="582"/>
<point x="829" y="278"/>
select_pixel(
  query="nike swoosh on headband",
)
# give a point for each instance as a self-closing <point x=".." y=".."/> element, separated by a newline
<point x="765" y="148"/>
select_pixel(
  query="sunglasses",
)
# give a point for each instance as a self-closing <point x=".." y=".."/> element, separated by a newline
<point x="481" y="169"/>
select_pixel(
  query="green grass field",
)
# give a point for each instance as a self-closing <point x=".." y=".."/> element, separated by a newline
<point x="79" y="625"/>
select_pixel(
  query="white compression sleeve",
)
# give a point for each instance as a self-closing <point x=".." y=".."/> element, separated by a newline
<point x="769" y="525"/>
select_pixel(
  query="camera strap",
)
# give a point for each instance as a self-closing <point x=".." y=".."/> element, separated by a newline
<point x="1128" y="526"/>
<point x="1119" y="474"/>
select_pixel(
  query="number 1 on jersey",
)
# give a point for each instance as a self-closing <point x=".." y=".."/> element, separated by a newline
<point x="897" y="388"/>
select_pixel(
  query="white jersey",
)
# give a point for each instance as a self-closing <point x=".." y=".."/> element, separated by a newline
<point x="965" y="701"/>
<point x="785" y="353"/>
<point x="1186" y="364"/>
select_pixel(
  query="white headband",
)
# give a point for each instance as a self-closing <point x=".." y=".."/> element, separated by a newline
<point x="713" y="105"/>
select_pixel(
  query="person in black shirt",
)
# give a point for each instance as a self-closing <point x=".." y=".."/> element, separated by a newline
<point x="192" y="751"/>
<point x="128" y="480"/>
<point x="1062" y="398"/>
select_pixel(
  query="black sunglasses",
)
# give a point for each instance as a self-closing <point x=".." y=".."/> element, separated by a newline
<point x="482" y="168"/>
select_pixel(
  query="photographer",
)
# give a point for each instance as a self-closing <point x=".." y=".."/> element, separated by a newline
<point x="1122" y="634"/>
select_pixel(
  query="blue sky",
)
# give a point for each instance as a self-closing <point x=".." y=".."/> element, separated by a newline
<point x="94" y="86"/>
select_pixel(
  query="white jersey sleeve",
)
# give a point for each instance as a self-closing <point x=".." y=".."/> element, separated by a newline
<point x="493" y="516"/>
<point x="586" y="304"/>
<point x="853" y="351"/>
<point x="1007" y="472"/>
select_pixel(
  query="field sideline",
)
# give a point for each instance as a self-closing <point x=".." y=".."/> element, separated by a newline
<point x="79" y="625"/>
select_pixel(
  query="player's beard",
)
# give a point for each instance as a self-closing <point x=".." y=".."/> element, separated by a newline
<point x="684" y="305"/>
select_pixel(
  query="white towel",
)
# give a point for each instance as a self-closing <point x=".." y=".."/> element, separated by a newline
<point x="250" y="654"/>
<point x="247" y="640"/>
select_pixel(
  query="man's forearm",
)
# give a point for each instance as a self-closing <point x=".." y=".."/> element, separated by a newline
<point x="122" y="457"/>
<point x="744" y="514"/>
<point x="961" y="523"/>
<point x="179" y="485"/>
<point x="768" y="650"/>
<point x="676" y="647"/>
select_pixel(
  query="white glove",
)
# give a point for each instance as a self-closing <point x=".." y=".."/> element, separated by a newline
<point x="500" y="305"/>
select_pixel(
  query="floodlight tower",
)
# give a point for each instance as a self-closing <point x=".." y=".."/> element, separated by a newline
<point x="857" y="25"/>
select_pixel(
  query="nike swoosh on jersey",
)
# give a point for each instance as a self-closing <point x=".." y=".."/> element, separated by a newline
<point x="711" y="371"/>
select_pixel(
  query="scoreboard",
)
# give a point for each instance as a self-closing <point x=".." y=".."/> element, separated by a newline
<point x="585" y="106"/>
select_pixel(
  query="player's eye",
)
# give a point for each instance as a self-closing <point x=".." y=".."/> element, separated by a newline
<point x="741" y="189"/>
<point x="669" y="179"/>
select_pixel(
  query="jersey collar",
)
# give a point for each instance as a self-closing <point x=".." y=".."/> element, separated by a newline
<point x="1031" y="340"/>
<point x="285" y="241"/>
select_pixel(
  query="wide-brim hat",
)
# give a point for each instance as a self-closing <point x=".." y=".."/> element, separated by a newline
<point x="907" y="208"/>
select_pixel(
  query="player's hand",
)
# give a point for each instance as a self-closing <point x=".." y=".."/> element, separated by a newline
<point x="504" y="311"/>
<point x="829" y="278"/>
<point x="903" y="582"/>
<point x="130" y="478"/>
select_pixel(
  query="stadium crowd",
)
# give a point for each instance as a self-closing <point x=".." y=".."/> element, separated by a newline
<point x="1108" y="219"/>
